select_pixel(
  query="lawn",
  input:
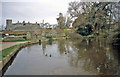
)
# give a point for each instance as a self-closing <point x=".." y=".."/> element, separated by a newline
<point x="0" y="39"/>
<point x="7" y="51"/>
<point x="14" y="40"/>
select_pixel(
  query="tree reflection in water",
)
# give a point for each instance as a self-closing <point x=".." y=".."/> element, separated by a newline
<point x="93" y="55"/>
<point x="44" y="46"/>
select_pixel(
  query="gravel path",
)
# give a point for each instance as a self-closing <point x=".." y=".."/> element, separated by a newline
<point x="4" y="45"/>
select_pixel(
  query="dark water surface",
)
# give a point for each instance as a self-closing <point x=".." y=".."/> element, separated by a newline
<point x="66" y="57"/>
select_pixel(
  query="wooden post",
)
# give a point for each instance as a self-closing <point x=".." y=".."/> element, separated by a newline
<point x="39" y="42"/>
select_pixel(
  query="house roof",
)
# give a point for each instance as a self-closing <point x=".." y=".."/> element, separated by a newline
<point x="46" y="30"/>
<point x="34" y="32"/>
<point x="58" y="30"/>
<point x="14" y="32"/>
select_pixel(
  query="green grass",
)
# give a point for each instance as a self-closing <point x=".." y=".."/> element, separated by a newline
<point x="14" y="40"/>
<point x="0" y="55"/>
<point x="0" y="39"/>
<point x="7" y="51"/>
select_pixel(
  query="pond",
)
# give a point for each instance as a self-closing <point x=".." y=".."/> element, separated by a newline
<point x="66" y="57"/>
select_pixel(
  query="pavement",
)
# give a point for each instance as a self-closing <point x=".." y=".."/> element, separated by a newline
<point x="4" y="45"/>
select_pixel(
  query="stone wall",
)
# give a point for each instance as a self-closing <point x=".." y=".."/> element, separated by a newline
<point x="22" y="26"/>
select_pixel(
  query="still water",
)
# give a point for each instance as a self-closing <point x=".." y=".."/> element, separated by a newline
<point x="66" y="57"/>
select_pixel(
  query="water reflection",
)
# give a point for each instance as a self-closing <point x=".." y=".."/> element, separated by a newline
<point x="50" y="42"/>
<point x="93" y="55"/>
<point x="61" y="46"/>
<point x="88" y="56"/>
<point x="44" y="46"/>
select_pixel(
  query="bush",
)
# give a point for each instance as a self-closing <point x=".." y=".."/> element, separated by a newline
<point x="85" y="31"/>
<point x="48" y="36"/>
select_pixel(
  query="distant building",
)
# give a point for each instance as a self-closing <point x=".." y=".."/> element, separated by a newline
<point x="27" y="30"/>
<point x="26" y="26"/>
<point x="21" y="26"/>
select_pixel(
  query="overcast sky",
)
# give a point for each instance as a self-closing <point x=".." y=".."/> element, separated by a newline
<point x="33" y="11"/>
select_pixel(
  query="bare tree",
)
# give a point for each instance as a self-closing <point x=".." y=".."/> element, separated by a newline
<point x="100" y="15"/>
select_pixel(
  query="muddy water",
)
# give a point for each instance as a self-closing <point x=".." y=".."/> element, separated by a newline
<point x="66" y="57"/>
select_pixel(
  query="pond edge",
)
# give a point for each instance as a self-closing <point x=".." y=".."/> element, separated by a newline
<point x="5" y="61"/>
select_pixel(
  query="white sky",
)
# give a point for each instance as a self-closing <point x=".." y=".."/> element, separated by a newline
<point x="33" y="10"/>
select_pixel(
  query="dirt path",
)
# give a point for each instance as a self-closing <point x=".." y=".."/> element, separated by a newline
<point x="4" y="45"/>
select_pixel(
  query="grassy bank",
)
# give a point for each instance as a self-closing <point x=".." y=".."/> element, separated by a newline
<point x="7" y="51"/>
<point x="0" y="39"/>
<point x="14" y="40"/>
